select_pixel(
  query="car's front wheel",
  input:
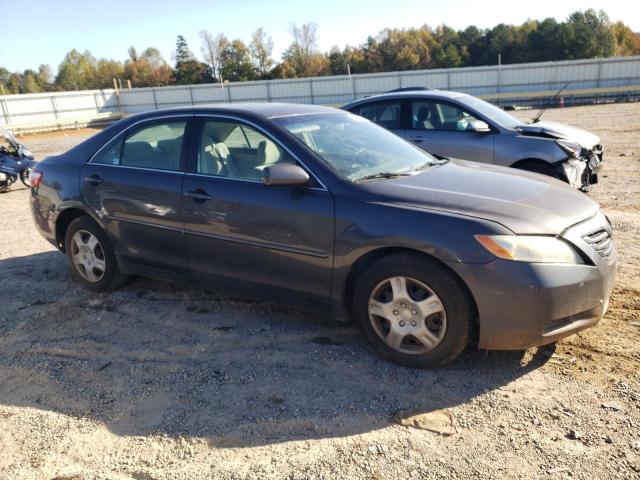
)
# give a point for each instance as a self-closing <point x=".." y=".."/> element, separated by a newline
<point x="413" y="310"/>
<point x="91" y="256"/>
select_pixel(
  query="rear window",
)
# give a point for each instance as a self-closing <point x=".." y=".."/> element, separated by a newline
<point x="158" y="146"/>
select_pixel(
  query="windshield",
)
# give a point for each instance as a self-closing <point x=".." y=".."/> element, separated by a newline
<point x="8" y="136"/>
<point x="355" y="147"/>
<point x="490" y="111"/>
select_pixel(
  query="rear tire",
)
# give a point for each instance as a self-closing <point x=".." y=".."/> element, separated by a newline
<point x="423" y="321"/>
<point x="539" y="167"/>
<point x="24" y="177"/>
<point x="91" y="256"/>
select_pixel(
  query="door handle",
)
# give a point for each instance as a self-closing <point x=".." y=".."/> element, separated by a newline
<point x="199" y="194"/>
<point x="93" y="179"/>
<point x="417" y="139"/>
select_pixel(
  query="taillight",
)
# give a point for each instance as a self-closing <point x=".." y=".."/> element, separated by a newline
<point x="35" y="178"/>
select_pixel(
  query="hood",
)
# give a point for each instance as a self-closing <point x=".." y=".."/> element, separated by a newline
<point x="525" y="203"/>
<point x="558" y="130"/>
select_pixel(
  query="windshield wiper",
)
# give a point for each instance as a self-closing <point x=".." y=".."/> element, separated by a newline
<point x="380" y="175"/>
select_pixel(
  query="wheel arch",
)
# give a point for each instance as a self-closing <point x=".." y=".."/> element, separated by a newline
<point x="372" y="256"/>
<point x="64" y="219"/>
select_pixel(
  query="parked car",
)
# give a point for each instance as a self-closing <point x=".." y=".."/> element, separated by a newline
<point x="457" y="125"/>
<point x="314" y="206"/>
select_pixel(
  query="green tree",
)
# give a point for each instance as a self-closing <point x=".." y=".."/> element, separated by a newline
<point x="236" y="64"/>
<point x="589" y="35"/>
<point x="76" y="72"/>
<point x="183" y="54"/>
<point x="106" y="71"/>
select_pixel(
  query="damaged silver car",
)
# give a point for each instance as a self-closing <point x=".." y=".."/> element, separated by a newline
<point x="457" y="125"/>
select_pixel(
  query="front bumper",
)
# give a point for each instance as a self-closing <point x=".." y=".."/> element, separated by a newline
<point x="582" y="172"/>
<point x="521" y="305"/>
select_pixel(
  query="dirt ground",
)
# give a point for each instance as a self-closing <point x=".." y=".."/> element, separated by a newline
<point x="162" y="381"/>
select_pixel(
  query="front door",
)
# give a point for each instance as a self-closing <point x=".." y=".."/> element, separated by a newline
<point x="441" y="128"/>
<point x="135" y="186"/>
<point x="238" y="228"/>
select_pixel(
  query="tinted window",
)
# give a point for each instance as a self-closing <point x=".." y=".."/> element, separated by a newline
<point x="231" y="149"/>
<point x="158" y="146"/>
<point x="429" y="115"/>
<point x="386" y="114"/>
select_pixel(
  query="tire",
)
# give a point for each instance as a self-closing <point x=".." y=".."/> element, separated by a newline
<point x="452" y="326"/>
<point x="24" y="177"/>
<point x="104" y="274"/>
<point x="539" y="167"/>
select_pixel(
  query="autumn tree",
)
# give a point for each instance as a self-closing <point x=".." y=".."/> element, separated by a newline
<point x="261" y="48"/>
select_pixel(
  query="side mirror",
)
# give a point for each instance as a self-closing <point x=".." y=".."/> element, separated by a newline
<point x="478" y="126"/>
<point x="284" y="174"/>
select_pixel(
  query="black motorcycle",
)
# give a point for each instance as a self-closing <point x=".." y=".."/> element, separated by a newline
<point x="16" y="161"/>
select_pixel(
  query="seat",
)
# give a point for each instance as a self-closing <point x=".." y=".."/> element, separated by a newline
<point x="209" y="162"/>
<point x="268" y="154"/>
<point x="423" y="121"/>
<point x="138" y="154"/>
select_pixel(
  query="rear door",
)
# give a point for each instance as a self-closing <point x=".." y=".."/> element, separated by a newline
<point x="238" y="228"/>
<point x="134" y="184"/>
<point x="440" y="127"/>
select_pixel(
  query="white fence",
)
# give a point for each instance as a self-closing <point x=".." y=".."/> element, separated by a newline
<point x="489" y="80"/>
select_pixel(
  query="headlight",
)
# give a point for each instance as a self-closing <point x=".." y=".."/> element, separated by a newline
<point x="530" y="248"/>
<point x="570" y="147"/>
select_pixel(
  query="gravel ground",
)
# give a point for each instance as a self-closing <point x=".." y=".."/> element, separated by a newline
<point x="159" y="381"/>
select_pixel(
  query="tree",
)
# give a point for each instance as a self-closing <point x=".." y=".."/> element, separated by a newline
<point x="133" y="54"/>
<point x="236" y="62"/>
<point x="76" y="72"/>
<point x="304" y="46"/>
<point x="106" y="71"/>
<point x="212" y="47"/>
<point x="44" y="77"/>
<point x="261" y="48"/>
<point x="590" y="35"/>
<point x="183" y="54"/>
<point x="626" y="42"/>
<point x="153" y="56"/>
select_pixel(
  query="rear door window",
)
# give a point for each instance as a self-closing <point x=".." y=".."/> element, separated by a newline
<point x="157" y="146"/>
<point x="387" y="114"/>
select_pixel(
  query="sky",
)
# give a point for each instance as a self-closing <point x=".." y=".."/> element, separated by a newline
<point x="43" y="31"/>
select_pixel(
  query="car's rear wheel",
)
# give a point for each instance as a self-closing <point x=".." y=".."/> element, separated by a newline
<point x="413" y="310"/>
<point x="91" y="256"/>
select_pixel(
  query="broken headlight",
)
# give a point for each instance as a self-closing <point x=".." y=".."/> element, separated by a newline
<point x="570" y="147"/>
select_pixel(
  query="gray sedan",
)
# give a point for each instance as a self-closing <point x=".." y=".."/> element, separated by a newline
<point x="457" y="125"/>
<point x="315" y="207"/>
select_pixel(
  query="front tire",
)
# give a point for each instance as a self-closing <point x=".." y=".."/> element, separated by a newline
<point x="413" y="311"/>
<point x="91" y="256"/>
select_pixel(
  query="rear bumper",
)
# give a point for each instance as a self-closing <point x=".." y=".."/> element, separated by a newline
<point x="521" y="305"/>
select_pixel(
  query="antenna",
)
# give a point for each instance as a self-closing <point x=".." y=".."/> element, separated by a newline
<point x="536" y="119"/>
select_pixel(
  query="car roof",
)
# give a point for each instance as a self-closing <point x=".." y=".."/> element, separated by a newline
<point x="437" y="94"/>
<point x="261" y="109"/>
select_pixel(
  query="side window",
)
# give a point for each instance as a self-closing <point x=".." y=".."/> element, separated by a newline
<point x="386" y="114"/>
<point x="428" y="115"/>
<point x="157" y="146"/>
<point x="110" y="155"/>
<point x="231" y="149"/>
